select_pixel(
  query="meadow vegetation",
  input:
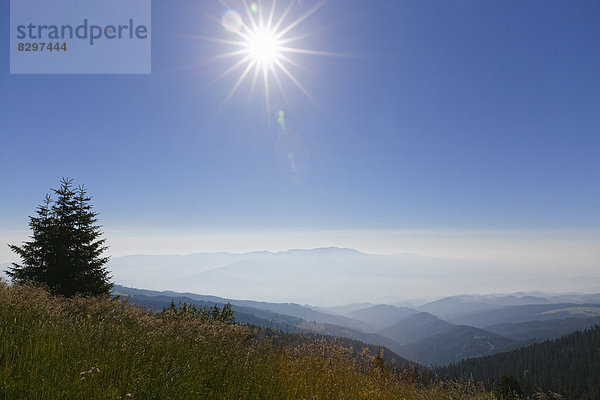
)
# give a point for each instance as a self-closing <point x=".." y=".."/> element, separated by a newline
<point x="100" y="348"/>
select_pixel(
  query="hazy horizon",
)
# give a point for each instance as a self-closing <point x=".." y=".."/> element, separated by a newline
<point x="333" y="275"/>
<point x="549" y="261"/>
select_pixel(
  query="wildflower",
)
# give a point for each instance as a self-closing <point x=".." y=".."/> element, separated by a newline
<point x="91" y="371"/>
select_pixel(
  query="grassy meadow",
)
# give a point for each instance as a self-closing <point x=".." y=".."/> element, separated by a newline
<point x="99" y="348"/>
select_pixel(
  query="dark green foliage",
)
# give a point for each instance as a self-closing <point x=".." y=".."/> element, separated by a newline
<point x="508" y="387"/>
<point x="215" y="313"/>
<point x="568" y="366"/>
<point x="65" y="250"/>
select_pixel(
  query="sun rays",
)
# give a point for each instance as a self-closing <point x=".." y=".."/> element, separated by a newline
<point x="258" y="41"/>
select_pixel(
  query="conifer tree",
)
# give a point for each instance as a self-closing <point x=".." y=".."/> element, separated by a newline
<point x="65" y="250"/>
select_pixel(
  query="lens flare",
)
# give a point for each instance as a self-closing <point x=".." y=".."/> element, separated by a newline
<point x="263" y="46"/>
<point x="232" y="21"/>
<point x="293" y="156"/>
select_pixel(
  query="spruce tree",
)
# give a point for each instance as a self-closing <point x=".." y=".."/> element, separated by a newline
<point x="65" y="250"/>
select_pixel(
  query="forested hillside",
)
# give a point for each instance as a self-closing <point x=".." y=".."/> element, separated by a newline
<point x="569" y="365"/>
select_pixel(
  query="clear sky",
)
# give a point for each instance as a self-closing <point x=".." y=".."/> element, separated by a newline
<point x="435" y="116"/>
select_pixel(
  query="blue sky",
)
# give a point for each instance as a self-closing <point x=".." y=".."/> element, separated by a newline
<point x="440" y="115"/>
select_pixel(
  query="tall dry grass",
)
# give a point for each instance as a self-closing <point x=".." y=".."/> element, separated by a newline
<point x="91" y="348"/>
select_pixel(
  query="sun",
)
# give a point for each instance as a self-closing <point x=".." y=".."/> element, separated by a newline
<point x="258" y="40"/>
<point x="264" y="48"/>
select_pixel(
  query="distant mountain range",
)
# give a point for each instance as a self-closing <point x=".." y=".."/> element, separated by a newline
<point x="454" y="344"/>
<point x="542" y="330"/>
<point x="381" y="315"/>
<point x="414" y="327"/>
<point x="455" y="307"/>
<point x="413" y="334"/>
<point x="424" y="338"/>
<point x="526" y="313"/>
<point x="318" y="276"/>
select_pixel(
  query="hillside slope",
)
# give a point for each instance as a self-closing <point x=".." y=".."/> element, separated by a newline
<point x="569" y="365"/>
<point x="525" y="313"/>
<point x="543" y="330"/>
<point x="267" y="318"/>
<point x="272" y="309"/>
<point x="381" y="315"/>
<point x="100" y="348"/>
<point x="455" y="344"/>
<point x="415" y="327"/>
